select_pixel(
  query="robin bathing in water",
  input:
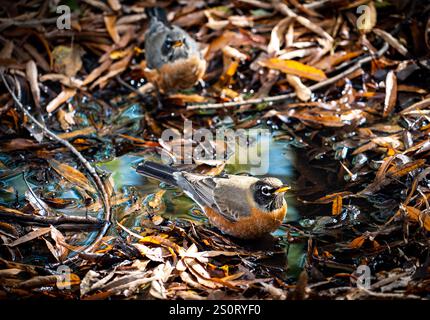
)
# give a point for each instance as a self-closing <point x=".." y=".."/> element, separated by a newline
<point x="241" y="206"/>
<point x="173" y="59"/>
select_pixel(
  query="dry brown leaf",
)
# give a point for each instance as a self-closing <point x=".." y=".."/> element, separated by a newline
<point x="390" y="93"/>
<point x="416" y="106"/>
<point x="31" y="72"/>
<point x="303" y="92"/>
<point x="191" y="19"/>
<point x="400" y="171"/>
<point x="115" y="5"/>
<point x="232" y="39"/>
<point x="63" y="79"/>
<point x="72" y="175"/>
<point x="30" y="236"/>
<point x="63" y="97"/>
<point x="110" y="23"/>
<point x="241" y="21"/>
<point x="95" y="73"/>
<point x="357" y="242"/>
<point x="67" y="60"/>
<point x="114" y="69"/>
<point x="391" y="41"/>
<point x="419" y="216"/>
<point x="277" y="36"/>
<point x="154" y="254"/>
<point x="294" y="68"/>
<point x="234" y="53"/>
<point x="59" y="251"/>
<point x="282" y="7"/>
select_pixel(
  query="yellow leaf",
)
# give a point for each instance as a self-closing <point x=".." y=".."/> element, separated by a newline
<point x="357" y="242"/>
<point x="337" y="206"/>
<point x="118" y="54"/>
<point x="295" y="68"/>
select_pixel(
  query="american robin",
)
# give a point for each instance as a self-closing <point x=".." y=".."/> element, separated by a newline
<point x="241" y="206"/>
<point x="173" y="59"/>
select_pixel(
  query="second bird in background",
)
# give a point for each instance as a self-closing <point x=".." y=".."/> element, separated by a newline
<point x="173" y="59"/>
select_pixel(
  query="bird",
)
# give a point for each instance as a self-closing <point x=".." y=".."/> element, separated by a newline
<point x="244" y="207"/>
<point x="173" y="59"/>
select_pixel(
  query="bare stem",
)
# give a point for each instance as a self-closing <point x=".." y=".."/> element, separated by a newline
<point x="93" y="173"/>
<point x="284" y="97"/>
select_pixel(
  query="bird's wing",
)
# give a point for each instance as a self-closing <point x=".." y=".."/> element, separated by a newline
<point x="230" y="195"/>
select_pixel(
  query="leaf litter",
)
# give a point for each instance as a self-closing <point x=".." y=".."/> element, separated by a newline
<point x="352" y="101"/>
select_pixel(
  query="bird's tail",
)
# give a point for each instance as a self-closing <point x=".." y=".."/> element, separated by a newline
<point x="157" y="13"/>
<point x="157" y="171"/>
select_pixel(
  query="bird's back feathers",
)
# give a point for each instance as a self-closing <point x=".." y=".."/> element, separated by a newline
<point x="157" y="13"/>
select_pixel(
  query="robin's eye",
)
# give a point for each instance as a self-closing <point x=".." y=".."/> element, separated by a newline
<point x="265" y="190"/>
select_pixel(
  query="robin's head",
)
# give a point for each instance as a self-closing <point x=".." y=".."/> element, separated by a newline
<point x="175" y="45"/>
<point x="269" y="193"/>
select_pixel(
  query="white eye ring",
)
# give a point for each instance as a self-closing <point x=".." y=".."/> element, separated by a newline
<point x="265" y="190"/>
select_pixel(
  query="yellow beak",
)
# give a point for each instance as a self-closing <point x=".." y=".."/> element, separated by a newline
<point x="178" y="43"/>
<point x="282" y="189"/>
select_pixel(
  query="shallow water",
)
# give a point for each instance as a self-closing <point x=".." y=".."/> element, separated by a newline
<point x="132" y="187"/>
<point x="179" y="206"/>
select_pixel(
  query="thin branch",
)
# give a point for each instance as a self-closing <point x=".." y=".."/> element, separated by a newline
<point x="32" y="219"/>
<point x="287" y="96"/>
<point x="99" y="184"/>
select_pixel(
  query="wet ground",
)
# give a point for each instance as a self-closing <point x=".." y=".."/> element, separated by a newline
<point x="134" y="191"/>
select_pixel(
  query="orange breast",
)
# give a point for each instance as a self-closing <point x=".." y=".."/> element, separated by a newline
<point x="179" y="75"/>
<point x="256" y="225"/>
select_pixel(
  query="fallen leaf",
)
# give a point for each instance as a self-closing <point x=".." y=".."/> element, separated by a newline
<point x="30" y="236"/>
<point x="295" y="68"/>
<point x="357" y="242"/>
<point x="303" y="92"/>
<point x="67" y="60"/>
<point x="277" y="36"/>
<point x="110" y="23"/>
<point x="390" y="93"/>
<point x="419" y="216"/>
<point x="391" y="41"/>
<point x="31" y="72"/>
<point x="337" y="206"/>
<point x="72" y="175"/>
<point x="63" y="97"/>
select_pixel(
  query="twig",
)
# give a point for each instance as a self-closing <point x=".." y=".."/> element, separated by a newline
<point x="388" y="295"/>
<point x="129" y="87"/>
<point x="46" y="221"/>
<point x="99" y="184"/>
<point x="283" y="97"/>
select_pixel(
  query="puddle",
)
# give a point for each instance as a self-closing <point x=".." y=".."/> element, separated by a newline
<point x="179" y="206"/>
<point x="132" y="187"/>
